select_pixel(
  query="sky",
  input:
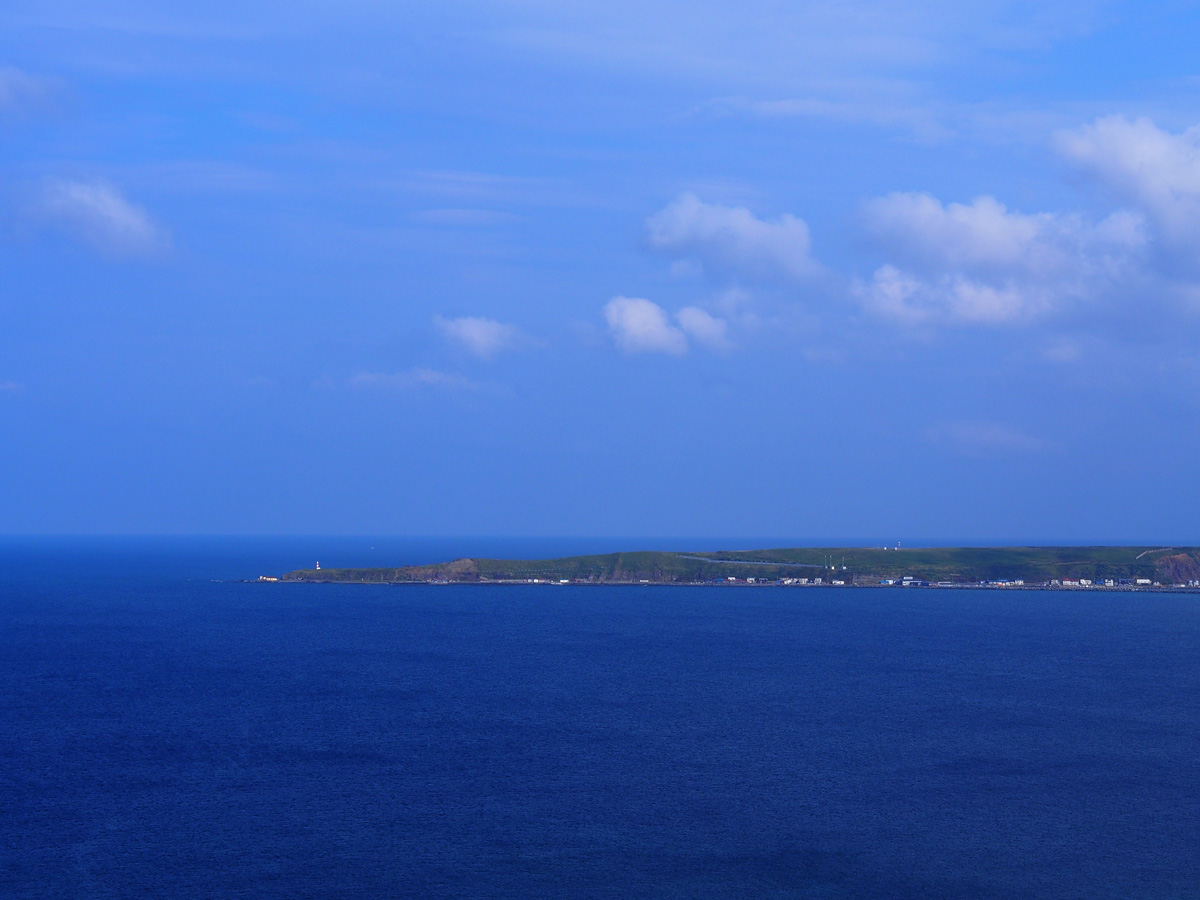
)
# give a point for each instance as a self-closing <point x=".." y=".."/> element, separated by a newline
<point x="848" y="269"/>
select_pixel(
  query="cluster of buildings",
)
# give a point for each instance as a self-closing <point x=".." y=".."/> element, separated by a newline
<point x="913" y="581"/>
<point x="1106" y="582"/>
<point x="806" y="581"/>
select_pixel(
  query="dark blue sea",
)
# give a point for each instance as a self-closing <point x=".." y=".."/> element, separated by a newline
<point x="166" y="732"/>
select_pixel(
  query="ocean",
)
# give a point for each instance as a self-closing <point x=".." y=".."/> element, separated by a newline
<point x="167" y="731"/>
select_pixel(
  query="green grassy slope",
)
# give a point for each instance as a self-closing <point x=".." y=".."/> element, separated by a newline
<point x="644" y="565"/>
<point x="972" y="564"/>
<point x="863" y="565"/>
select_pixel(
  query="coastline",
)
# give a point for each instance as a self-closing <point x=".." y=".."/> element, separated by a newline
<point x="1122" y="569"/>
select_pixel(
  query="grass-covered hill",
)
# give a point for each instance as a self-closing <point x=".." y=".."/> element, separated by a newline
<point x="648" y="565"/>
<point x="961" y="565"/>
<point x="974" y="564"/>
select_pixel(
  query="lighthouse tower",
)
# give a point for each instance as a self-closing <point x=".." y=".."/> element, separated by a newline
<point x="318" y="565"/>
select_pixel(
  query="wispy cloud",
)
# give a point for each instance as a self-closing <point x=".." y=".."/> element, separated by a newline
<point x="732" y="242"/>
<point x="1063" y="351"/>
<point x="414" y="379"/>
<point x="464" y="218"/>
<point x="978" y="438"/>
<point x="206" y="175"/>
<point x="761" y="42"/>
<point x="475" y="192"/>
<point x="97" y="213"/>
<point x="919" y="120"/>
<point x="11" y="387"/>
<point x="479" y="336"/>
<point x="21" y="92"/>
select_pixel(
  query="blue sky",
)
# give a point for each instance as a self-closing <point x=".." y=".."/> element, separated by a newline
<point x="655" y="268"/>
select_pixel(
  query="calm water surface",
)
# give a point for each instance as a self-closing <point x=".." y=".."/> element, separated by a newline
<point x="166" y="735"/>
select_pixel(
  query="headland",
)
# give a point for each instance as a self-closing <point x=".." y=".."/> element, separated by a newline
<point x="1098" y="567"/>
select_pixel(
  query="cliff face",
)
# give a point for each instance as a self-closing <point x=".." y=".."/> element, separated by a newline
<point x="1177" y="568"/>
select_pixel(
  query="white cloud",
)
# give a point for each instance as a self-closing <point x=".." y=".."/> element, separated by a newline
<point x="948" y="298"/>
<point x="98" y="214"/>
<point x="981" y="263"/>
<point x="482" y="337"/>
<point x="731" y="241"/>
<point x="704" y="328"/>
<point x="981" y="233"/>
<point x="1155" y="170"/>
<point x="641" y="326"/>
<point x="413" y="379"/>
<point x="11" y="387"/>
<point x="983" y="438"/>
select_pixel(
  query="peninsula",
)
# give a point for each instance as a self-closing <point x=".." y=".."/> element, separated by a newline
<point x="1069" y="567"/>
